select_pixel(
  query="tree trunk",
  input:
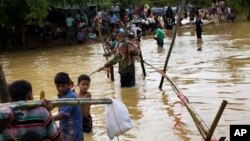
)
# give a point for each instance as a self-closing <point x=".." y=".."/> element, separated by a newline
<point x="24" y="29"/>
<point x="4" y="95"/>
<point x="248" y="16"/>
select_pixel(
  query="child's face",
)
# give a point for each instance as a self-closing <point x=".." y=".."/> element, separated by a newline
<point x="62" y="88"/>
<point x="84" y="86"/>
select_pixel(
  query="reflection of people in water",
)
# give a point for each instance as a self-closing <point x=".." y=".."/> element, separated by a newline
<point x="130" y="96"/>
<point x="160" y="50"/>
<point x="192" y="33"/>
<point x="199" y="44"/>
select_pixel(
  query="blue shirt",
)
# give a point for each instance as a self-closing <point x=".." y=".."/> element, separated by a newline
<point x="71" y="124"/>
<point x="113" y="19"/>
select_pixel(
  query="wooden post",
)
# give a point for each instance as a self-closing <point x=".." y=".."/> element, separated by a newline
<point x="142" y="61"/>
<point x="216" y="120"/>
<point x="4" y="95"/>
<point x="112" y="73"/>
<point x="42" y="95"/>
<point x="172" y="43"/>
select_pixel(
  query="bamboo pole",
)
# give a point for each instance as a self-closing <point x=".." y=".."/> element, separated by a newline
<point x="55" y="102"/>
<point x="216" y="120"/>
<point x="103" y="45"/>
<point x="172" y="43"/>
<point x="201" y="126"/>
<point x="4" y="95"/>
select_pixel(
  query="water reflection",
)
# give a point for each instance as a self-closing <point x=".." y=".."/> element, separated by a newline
<point x="199" y="44"/>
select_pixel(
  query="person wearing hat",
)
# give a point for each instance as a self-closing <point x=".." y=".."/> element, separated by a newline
<point x="126" y="64"/>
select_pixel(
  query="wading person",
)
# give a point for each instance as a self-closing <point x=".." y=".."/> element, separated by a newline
<point x="169" y="18"/>
<point x="70" y="116"/>
<point x="198" y="26"/>
<point x="126" y="64"/>
<point x="35" y="119"/>
<point x="159" y="37"/>
<point x="84" y="84"/>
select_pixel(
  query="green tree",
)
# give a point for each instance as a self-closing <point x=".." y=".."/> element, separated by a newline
<point x="15" y="14"/>
<point x="241" y="6"/>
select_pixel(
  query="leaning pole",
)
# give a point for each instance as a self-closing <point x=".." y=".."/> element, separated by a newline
<point x="172" y="43"/>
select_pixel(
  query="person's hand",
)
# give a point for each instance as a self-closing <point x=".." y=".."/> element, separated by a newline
<point x="100" y="69"/>
<point x="47" y="104"/>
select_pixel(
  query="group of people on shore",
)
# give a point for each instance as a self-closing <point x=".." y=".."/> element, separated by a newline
<point x="37" y="123"/>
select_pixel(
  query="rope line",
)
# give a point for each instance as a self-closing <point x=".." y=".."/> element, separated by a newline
<point x="199" y="122"/>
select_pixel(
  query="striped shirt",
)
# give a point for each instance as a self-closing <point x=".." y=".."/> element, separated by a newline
<point x="36" y="119"/>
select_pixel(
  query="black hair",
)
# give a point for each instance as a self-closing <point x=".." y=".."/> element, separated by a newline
<point x="18" y="90"/>
<point x="62" y="78"/>
<point x="83" y="77"/>
<point x="31" y="136"/>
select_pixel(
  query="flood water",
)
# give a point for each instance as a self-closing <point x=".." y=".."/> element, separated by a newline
<point x="220" y="71"/>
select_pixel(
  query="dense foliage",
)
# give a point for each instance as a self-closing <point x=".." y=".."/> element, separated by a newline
<point x="241" y="6"/>
<point x="13" y="12"/>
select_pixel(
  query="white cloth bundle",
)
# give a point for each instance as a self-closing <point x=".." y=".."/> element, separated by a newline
<point x="117" y="119"/>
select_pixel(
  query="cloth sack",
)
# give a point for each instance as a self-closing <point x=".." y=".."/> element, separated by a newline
<point x="117" y="119"/>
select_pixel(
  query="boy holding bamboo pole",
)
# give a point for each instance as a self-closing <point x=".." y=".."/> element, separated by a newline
<point x="70" y="116"/>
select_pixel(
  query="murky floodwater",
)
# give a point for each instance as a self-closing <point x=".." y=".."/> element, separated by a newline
<point x="219" y="72"/>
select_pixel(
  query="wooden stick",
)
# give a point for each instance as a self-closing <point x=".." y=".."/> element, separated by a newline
<point x="216" y="120"/>
<point x="172" y="43"/>
<point x="105" y="52"/>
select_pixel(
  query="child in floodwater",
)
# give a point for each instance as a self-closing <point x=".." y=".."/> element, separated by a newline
<point x="70" y="117"/>
<point x="159" y="37"/>
<point x="84" y="84"/>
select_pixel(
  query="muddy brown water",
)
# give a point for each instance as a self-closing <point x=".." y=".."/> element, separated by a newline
<point x="220" y="71"/>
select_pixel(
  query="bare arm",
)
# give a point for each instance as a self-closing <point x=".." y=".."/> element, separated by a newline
<point x="58" y="117"/>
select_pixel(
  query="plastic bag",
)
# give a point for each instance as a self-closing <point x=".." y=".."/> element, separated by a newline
<point x="117" y="119"/>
